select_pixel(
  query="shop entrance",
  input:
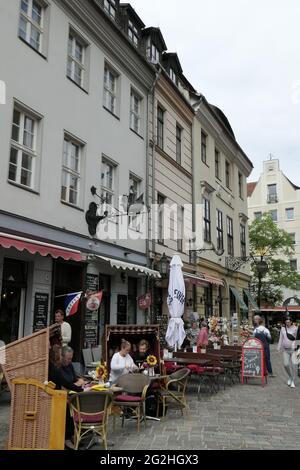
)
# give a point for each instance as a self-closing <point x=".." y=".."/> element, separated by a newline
<point x="13" y="298"/>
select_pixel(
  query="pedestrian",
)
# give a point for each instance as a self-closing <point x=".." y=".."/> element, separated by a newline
<point x="286" y="345"/>
<point x="263" y="334"/>
<point x="66" y="330"/>
<point x="202" y="340"/>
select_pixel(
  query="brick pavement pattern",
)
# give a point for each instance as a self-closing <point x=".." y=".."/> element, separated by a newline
<point x="241" y="417"/>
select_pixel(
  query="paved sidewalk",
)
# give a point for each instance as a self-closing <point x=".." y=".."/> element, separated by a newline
<point x="241" y="417"/>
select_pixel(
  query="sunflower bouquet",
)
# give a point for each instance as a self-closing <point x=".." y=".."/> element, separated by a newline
<point x="101" y="372"/>
<point x="151" y="361"/>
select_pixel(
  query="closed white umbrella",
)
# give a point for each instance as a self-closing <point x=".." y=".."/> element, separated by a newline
<point x="176" y="300"/>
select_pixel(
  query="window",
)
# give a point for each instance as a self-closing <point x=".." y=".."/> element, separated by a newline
<point x="217" y="164"/>
<point x="293" y="237"/>
<point x="31" y="26"/>
<point x="133" y="33"/>
<point x="110" y="8"/>
<point x="257" y="215"/>
<point x="272" y="194"/>
<point x="227" y="174"/>
<point x="230" y="245"/>
<point x="203" y="147"/>
<point x="107" y="181"/>
<point x="173" y="75"/>
<point x="135" y="189"/>
<point x="207" y="221"/>
<point x="274" y="215"/>
<point x="180" y="228"/>
<point x="178" y="144"/>
<point x="243" y="241"/>
<point x="70" y="186"/>
<point x="23" y="155"/>
<point x="135" y="112"/>
<point x="294" y="264"/>
<point x="220" y="234"/>
<point x="152" y="52"/>
<point x="241" y="186"/>
<point x="289" y="214"/>
<point x="160" y="127"/>
<point x="160" y="202"/>
<point x="76" y="59"/>
<point x="110" y="89"/>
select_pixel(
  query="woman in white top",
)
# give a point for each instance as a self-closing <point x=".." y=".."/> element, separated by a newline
<point x="287" y="346"/>
<point x="121" y="363"/>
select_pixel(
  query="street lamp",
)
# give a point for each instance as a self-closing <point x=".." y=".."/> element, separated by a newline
<point x="163" y="266"/>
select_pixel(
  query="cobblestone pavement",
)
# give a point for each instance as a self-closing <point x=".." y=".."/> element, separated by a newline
<point x="241" y="417"/>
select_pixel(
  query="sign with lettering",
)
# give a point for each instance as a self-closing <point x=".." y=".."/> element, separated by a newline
<point x="40" y="317"/>
<point x="253" y="360"/>
<point x="145" y="301"/>
<point x="91" y="327"/>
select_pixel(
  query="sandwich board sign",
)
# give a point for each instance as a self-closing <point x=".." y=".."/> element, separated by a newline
<point x="253" y="360"/>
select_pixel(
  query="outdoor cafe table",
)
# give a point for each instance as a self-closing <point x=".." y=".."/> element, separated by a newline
<point x="190" y="360"/>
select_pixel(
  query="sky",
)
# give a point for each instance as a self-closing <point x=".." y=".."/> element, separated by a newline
<point x="244" y="57"/>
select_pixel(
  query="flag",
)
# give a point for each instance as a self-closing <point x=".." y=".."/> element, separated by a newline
<point x="72" y="303"/>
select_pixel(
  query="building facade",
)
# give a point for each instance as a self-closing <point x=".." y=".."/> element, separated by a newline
<point x="75" y="118"/>
<point x="275" y="194"/>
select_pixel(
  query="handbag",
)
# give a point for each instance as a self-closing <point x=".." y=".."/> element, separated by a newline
<point x="289" y="336"/>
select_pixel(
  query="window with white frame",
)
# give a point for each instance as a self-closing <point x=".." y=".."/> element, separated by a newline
<point x="241" y="186"/>
<point x="257" y="215"/>
<point x="23" y="154"/>
<point x="76" y="59"/>
<point x="228" y="174"/>
<point x="203" y="147"/>
<point x="110" y="89"/>
<point x="71" y="168"/>
<point x="293" y="237"/>
<point x="161" y="200"/>
<point x="220" y="231"/>
<point x="173" y="76"/>
<point x="207" y="220"/>
<point x="243" y="241"/>
<point x="178" y="143"/>
<point x="31" y="26"/>
<point x="160" y="127"/>
<point x="135" y="112"/>
<point x="108" y="181"/>
<point x="110" y="8"/>
<point x="274" y="215"/>
<point x="135" y="190"/>
<point x="294" y="264"/>
<point x="217" y="164"/>
<point x="133" y="33"/>
<point x="152" y="52"/>
<point x="290" y="213"/>
<point x="230" y="243"/>
<point x="180" y="228"/>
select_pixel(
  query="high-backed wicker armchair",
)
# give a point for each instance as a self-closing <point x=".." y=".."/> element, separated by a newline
<point x="89" y="411"/>
<point x="173" y="393"/>
<point x="134" y="387"/>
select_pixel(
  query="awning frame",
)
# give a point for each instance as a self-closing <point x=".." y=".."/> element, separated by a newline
<point x="118" y="264"/>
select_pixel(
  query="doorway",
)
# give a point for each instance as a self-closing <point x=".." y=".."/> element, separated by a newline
<point x="13" y="298"/>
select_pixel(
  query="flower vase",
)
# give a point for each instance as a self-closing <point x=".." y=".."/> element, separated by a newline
<point x="151" y="372"/>
<point x="215" y="346"/>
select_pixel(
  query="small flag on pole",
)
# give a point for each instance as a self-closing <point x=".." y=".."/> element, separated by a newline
<point x="72" y="303"/>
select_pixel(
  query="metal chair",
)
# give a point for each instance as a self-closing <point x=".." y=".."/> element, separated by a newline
<point x="174" y="391"/>
<point x="87" y="359"/>
<point x="133" y="398"/>
<point x="89" y="411"/>
<point x="96" y="352"/>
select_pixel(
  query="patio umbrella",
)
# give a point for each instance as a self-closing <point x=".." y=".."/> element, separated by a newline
<point x="176" y="299"/>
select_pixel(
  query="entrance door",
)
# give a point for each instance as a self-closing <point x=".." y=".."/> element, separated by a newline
<point x="12" y="300"/>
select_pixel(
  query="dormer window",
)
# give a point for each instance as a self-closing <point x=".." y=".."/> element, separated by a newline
<point x="173" y="76"/>
<point x="133" y="33"/>
<point x="153" y="53"/>
<point x="110" y="8"/>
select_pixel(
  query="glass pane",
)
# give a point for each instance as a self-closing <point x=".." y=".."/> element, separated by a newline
<point x="24" y="6"/>
<point x="65" y="155"/>
<point x="78" y="74"/>
<point x="12" y="174"/>
<point x="74" y="157"/>
<point x="78" y="51"/>
<point x="36" y="12"/>
<point x="26" y="162"/>
<point x="35" y="38"/>
<point x="26" y="177"/>
<point x="63" y="193"/>
<point x="70" y="45"/>
<point x="69" y="68"/>
<point x="15" y="127"/>
<point x="13" y="156"/>
<point x="22" y="28"/>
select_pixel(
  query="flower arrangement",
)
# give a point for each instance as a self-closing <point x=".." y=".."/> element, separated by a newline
<point x="151" y="361"/>
<point x="101" y="372"/>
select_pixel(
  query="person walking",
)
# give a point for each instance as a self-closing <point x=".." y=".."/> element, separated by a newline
<point x="263" y="334"/>
<point x="66" y="330"/>
<point x="286" y="345"/>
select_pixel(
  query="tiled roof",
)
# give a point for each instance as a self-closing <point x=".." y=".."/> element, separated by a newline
<point x="250" y="188"/>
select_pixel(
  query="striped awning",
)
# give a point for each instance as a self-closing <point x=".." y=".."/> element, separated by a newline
<point x="252" y="301"/>
<point x="202" y="279"/>
<point x="239" y="299"/>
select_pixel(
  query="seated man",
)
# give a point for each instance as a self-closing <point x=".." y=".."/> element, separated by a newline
<point x="67" y="369"/>
<point x="140" y="356"/>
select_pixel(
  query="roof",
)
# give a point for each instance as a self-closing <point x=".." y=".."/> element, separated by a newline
<point x="250" y="188"/>
<point x="172" y="57"/>
<point x="294" y="186"/>
<point x="156" y="32"/>
<point x="131" y="12"/>
<point x="223" y="118"/>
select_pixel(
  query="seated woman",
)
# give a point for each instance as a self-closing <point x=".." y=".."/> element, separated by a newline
<point x="121" y="363"/>
<point x="140" y="356"/>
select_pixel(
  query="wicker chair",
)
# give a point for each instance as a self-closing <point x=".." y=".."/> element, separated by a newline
<point x="174" y="391"/>
<point x="134" y="387"/>
<point x="89" y="411"/>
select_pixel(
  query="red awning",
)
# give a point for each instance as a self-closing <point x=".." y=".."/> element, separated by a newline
<point x="202" y="279"/>
<point x="34" y="246"/>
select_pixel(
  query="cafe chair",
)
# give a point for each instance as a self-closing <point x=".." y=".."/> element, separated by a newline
<point x="87" y="359"/>
<point x="89" y="411"/>
<point x="174" y="390"/>
<point x="96" y="352"/>
<point x="133" y="398"/>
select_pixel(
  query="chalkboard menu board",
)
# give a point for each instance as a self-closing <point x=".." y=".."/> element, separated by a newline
<point x="122" y="310"/>
<point x="40" y="317"/>
<point x="253" y="360"/>
<point x="162" y="321"/>
<point x="91" y="326"/>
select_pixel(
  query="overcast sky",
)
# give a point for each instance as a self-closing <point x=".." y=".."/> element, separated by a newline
<point x="244" y="56"/>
